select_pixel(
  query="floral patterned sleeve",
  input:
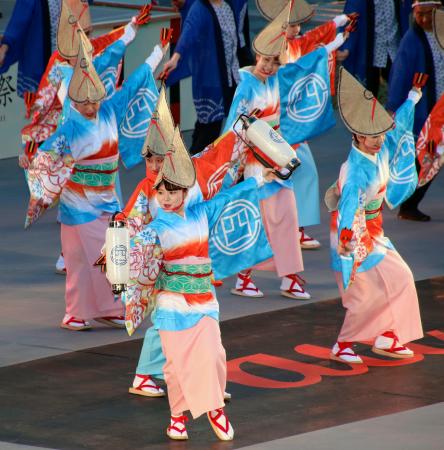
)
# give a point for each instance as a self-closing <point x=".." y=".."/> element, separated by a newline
<point x="48" y="91"/>
<point x="146" y="258"/>
<point x="137" y="209"/>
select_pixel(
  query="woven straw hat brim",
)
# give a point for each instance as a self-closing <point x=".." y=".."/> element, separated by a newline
<point x="300" y="13"/>
<point x="178" y="167"/>
<point x="438" y="26"/>
<point x="271" y="40"/>
<point x="68" y="39"/>
<point x="85" y="85"/>
<point x="161" y="129"/>
<point x="361" y="113"/>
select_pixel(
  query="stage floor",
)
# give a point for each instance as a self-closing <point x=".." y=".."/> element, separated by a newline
<point x="281" y="379"/>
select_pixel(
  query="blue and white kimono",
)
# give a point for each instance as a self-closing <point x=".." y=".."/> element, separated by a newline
<point x="364" y="183"/>
<point x="175" y="240"/>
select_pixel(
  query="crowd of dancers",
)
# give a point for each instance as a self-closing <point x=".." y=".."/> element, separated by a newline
<point x="75" y="140"/>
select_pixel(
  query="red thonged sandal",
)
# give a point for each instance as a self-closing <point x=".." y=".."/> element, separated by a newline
<point x="221" y="425"/>
<point x="291" y="287"/>
<point x="74" y="324"/>
<point x="146" y="386"/>
<point x="307" y="242"/>
<point x="343" y="352"/>
<point x="245" y="286"/>
<point x="177" y="430"/>
<point x="388" y="345"/>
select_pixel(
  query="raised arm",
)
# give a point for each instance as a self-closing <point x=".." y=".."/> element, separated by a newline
<point x="113" y="53"/>
<point x="320" y="35"/>
<point x="400" y="151"/>
<point x="142" y="77"/>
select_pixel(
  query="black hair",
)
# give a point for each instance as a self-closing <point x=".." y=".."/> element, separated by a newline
<point x="170" y="187"/>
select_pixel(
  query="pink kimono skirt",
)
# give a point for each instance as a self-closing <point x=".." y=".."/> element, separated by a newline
<point x="381" y="299"/>
<point x="195" y="370"/>
<point x="88" y="293"/>
<point x="280" y="218"/>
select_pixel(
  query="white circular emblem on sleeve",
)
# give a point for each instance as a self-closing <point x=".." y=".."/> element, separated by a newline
<point x="238" y="228"/>
<point x="307" y="98"/>
<point x="141" y="106"/>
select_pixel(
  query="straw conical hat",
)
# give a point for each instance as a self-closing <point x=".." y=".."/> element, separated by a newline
<point x="438" y="26"/>
<point x="360" y="111"/>
<point x="85" y="85"/>
<point x="68" y="38"/>
<point x="271" y="40"/>
<point x="177" y="168"/>
<point x="161" y="129"/>
<point x="300" y="11"/>
<point x="80" y="8"/>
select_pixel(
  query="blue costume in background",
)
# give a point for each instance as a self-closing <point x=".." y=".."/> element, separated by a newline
<point x="360" y="43"/>
<point x="414" y="55"/>
<point x="28" y="38"/>
<point x="202" y="56"/>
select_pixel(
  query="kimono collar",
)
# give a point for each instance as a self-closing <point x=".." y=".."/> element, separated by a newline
<point x="246" y="74"/>
<point x="77" y="117"/>
<point x="169" y="217"/>
<point x="371" y="158"/>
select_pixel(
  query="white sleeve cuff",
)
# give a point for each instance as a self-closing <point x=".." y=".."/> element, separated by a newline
<point x="341" y="20"/>
<point x="155" y="58"/>
<point x="129" y="33"/>
<point x="336" y="43"/>
<point x="415" y="96"/>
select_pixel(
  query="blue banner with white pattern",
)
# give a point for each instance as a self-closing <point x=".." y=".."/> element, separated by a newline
<point x="134" y="127"/>
<point x="399" y="147"/>
<point x="304" y="88"/>
<point x="237" y="239"/>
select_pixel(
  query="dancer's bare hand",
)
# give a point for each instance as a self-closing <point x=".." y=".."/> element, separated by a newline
<point x="269" y="175"/>
<point x="170" y="65"/>
<point x="23" y="161"/>
<point x="344" y="249"/>
<point x="3" y="50"/>
<point x="342" y="55"/>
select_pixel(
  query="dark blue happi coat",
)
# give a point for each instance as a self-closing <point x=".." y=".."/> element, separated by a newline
<point x="414" y="55"/>
<point x="28" y="38"/>
<point x="202" y="55"/>
<point x="360" y="43"/>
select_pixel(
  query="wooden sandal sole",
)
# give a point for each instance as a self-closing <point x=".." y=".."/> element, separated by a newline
<point x="136" y="391"/>
<point x="382" y="352"/>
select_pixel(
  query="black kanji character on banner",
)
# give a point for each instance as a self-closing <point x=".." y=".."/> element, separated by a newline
<point x="6" y="90"/>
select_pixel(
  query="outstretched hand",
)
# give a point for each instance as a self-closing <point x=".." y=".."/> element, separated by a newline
<point x="3" y="50"/>
<point x="269" y="175"/>
<point x="23" y="161"/>
<point x="344" y="249"/>
<point x="170" y="65"/>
